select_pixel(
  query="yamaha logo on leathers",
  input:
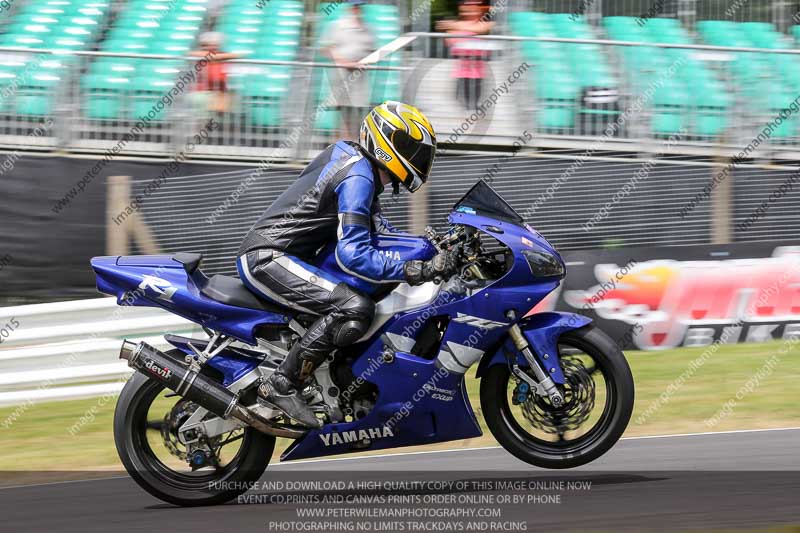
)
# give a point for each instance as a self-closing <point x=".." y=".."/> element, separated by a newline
<point x="345" y="437"/>
<point x="391" y="254"/>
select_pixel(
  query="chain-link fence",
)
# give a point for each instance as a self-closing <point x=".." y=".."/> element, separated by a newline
<point x="625" y="74"/>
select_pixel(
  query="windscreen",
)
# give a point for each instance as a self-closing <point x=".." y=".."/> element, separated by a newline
<point x="483" y="200"/>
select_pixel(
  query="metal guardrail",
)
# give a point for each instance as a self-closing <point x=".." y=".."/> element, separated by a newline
<point x="68" y="350"/>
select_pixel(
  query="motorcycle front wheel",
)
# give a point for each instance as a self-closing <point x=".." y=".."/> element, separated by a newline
<point x="598" y="393"/>
<point x="145" y="432"/>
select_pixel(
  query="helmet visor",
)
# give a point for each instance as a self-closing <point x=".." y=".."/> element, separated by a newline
<point x="419" y="154"/>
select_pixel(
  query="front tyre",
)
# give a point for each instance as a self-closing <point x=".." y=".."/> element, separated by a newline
<point x="598" y="394"/>
<point x="145" y="432"/>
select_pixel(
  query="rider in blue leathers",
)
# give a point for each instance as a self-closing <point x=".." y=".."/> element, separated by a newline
<point x="335" y="199"/>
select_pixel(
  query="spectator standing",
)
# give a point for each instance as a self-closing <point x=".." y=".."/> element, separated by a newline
<point x="472" y="54"/>
<point x="210" y="95"/>
<point x="347" y="41"/>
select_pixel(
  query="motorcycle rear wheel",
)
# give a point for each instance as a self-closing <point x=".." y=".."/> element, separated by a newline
<point x="209" y="486"/>
<point x="518" y="426"/>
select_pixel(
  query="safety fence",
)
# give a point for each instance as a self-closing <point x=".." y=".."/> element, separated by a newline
<point x="780" y="13"/>
<point x="567" y="92"/>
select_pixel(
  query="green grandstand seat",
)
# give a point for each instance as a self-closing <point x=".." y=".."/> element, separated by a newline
<point x="777" y="100"/>
<point x="35" y="95"/>
<point x="174" y="49"/>
<point x="87" y="22"/>
<point x="78" y="32"/>
<point x="328" y="120"/>
<point x="242" y="21"/>
<point x="276" y="53"/>
<point x="575" y="31"/>
<point x="141" y="23"/>
<point x="718" y="31"/>
<point x="564" y="19"/>
<point x="147" y="92"/>
<point x="186" y="38"/>
<point x="670" y="112"/>
<point x="179" y="26"/>
<point x="595" y="75"/>
<point x="128" y="46"/>
<point x="32" y="18"/>
<point x="712" y="107"/>
<point x="188" y="18"/>
<point x="789" y="68"/>
<point x="160" y="68"/>
<point x="620" y="24"/>
<point x="243" y="50"/>
<point x="663" y="24"/>
<point x="48" y="10"/>
<point x="95" y="12"/>
<point x="39" y="30"/>
<point x="243" y="40"/>
<point x="558" y="94"/>
<point x="25" y="41"/>
<point x="9" y="78"/>
<point x="264" y="95"/>
<point x="755" y="28"/>
<point x="539" y="51"/>
<point x="137" y="34"/>
<point x="114" y="66"/>
<point x="106" y="96"/>
<point x="522" y="23"/>
<point x="65" y="42"/>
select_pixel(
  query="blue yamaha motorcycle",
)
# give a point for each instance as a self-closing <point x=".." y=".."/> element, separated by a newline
<point x="555" y="391"/>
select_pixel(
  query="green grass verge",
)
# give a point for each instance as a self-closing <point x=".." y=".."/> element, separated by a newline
<point x="77" y="435"/>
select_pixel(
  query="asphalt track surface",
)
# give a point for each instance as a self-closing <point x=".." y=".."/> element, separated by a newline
<point x="702" y="482"/>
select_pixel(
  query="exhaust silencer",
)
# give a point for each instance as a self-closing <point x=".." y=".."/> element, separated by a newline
<point x="195" y="387"/>
<point x="179" y="378"/>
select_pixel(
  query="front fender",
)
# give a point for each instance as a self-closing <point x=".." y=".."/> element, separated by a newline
<point x="542" y="330"/>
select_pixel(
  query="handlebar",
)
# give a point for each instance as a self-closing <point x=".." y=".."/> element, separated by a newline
<point x="469" y="267"/>
<point x="440" y="242"/>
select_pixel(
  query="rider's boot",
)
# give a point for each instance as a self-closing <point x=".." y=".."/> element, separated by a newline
<point x="283" y="388"/>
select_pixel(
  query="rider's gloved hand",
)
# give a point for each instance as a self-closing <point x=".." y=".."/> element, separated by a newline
<point x="441" y="267"/>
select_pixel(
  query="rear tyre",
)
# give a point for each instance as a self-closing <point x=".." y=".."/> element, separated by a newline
<point x="591" y="421"/>
<point x="161" y="473"/>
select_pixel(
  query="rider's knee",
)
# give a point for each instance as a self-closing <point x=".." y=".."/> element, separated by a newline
<point x="356" y="312"/>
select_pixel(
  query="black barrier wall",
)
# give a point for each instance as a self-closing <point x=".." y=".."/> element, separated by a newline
<point x="45" y="251"/>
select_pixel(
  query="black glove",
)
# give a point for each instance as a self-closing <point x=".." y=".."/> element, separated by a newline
<point x="442" y="266"/>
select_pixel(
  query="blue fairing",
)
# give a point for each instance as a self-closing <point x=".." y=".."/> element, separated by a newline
<point x="160" y="281"/>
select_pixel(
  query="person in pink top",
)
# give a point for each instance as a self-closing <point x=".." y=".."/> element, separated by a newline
<point x="471" y="67"/>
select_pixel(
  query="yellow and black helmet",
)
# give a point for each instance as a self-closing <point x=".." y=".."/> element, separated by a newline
<point x="400" y="139"/>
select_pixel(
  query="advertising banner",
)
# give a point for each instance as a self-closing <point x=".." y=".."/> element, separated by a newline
<point x="658" y="298"/>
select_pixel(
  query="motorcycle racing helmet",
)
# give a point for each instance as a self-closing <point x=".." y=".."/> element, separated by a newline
<point x="400" y="139"/>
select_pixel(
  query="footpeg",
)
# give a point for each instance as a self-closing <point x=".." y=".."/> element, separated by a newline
<point x="293" y="406"/>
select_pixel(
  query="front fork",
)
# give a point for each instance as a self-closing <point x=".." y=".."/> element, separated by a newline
<point x="543" y="385"/>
